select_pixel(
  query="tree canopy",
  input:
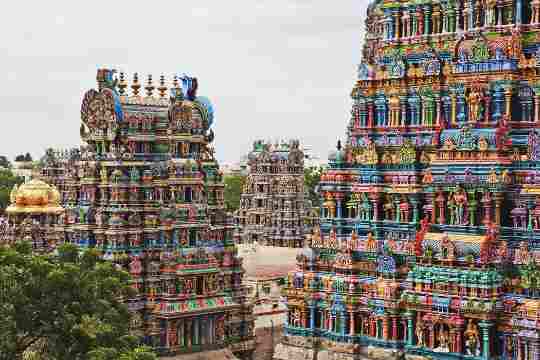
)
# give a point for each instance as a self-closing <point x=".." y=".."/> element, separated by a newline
<point x="64" y="306"/>
<point x="7" y="181"/>
<point x="4" y="162"/>
<point x="234" y="185"/>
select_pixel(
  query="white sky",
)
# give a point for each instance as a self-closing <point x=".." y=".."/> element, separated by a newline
<point x="272" y="68"/>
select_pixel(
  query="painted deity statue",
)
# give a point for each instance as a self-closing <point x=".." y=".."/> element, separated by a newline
<point x="472" y="343"/>
<point x="460" y="198"/>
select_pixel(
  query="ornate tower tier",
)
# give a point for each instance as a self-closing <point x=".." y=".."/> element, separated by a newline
<point x="148" y="193"/>
<point x="273" y="207"/>
<point x="429" y="231"/>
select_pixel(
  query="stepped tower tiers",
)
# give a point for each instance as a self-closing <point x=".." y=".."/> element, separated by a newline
<point x="33" y="216"/>
<point x="430" y="225"/>
<point x="148" y="193"/>
<point x="273" y="206"/>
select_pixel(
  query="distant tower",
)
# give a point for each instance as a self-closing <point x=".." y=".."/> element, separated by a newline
<point x="272" y="206"/>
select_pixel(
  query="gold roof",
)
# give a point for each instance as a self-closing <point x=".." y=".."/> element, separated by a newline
<point x="35" y="196"/>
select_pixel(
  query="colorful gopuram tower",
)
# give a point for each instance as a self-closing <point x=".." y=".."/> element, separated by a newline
<point x="429" y="238"/>
<point x="272" y="207"/>
<point x="148" y="193"/>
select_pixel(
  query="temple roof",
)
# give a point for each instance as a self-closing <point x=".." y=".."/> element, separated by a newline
<point x="35" y="196"/>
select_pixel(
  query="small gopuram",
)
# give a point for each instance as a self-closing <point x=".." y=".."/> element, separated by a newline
<point x="272" y="206"/>
<point x="147" y="192"/>
<point x="430" y="225"/>
<point x="33" y="216"/>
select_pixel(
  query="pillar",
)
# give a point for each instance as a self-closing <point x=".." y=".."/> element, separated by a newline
<point x="351" y="324"/>
<point x="508" y="102"/>
<point x="385" y="327"/>
<point x="519" y="12"/>
<point x="394" y="329"/>
<point x="537" y="109"/>
<point x="410" y="328"/>
<point x="312" y="318"/>
<point x="343" y="323"/>
<point x="454" y="109"/>
<point x="498" y="203"/>
<point x="485" y="327"/>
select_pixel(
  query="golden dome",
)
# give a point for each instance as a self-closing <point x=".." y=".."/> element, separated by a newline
<point x="35" y="196"/>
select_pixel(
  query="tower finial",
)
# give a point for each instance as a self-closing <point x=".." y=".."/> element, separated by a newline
<point x="149" y="86"/>
<point x="162" y="88"/>
<point x="122" y="84"/>
<point x="135" y="86"/>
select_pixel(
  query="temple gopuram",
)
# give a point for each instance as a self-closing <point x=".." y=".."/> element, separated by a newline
<point x="428" y="246"/>
<point x="147" y="192"/>
<point x="273" y="205"/>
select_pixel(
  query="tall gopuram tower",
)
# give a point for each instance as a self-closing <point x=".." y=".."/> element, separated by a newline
<point x="147" y="192"/>
<point x="272" y="206"/>
<point x="430" y="228"/>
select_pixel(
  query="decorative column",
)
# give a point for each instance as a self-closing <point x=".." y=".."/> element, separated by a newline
<point x="312" y="318"/>
<point x="508" y="102"/>
<point x="338" y="197"/>
<point x="427" y="19"/>
<point x="343" y="323"/>
<point x="385" y="327"/>
<point x="519" y="12"/>
<point x="403" y="102"/>
<point x="454" y="109"/>
<point x="397" y="24"/>
<point x="370" y="113"/>
<point x="458" y="345"/>
<point x="394" y="328"/>
<point x="498" y="204"/>
<point x="438" y="110"/>
<point x="410" y="328"/>
<point x="351" y="324"/>
<point x="431" y="336"/>
<point x="373" y="327"/>
<point x="414" y="204"/>
<point x="440" y="202"/>
<point x="537" y="109"/>
<point x="396" y="206"/>
<point x="485" y="327"/>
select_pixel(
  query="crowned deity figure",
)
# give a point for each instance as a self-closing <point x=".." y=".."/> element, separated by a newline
<point x="420" y="333"/>
<point x="461" y="205"/>
<point x="472" y="343"/>
<point x="476" y="107"/>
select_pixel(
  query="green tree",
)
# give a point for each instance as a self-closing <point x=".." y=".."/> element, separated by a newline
<point x="7" y="181"/>
<point x="312" y="177"/>
<point x="4" y="162"/>
<point x="234" y="185"/>
<point x="63" y="306"/>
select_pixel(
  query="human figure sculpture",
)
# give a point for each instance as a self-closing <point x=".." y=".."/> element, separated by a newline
<point x="472" y="343"/>
<point x="420" y="333"/>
